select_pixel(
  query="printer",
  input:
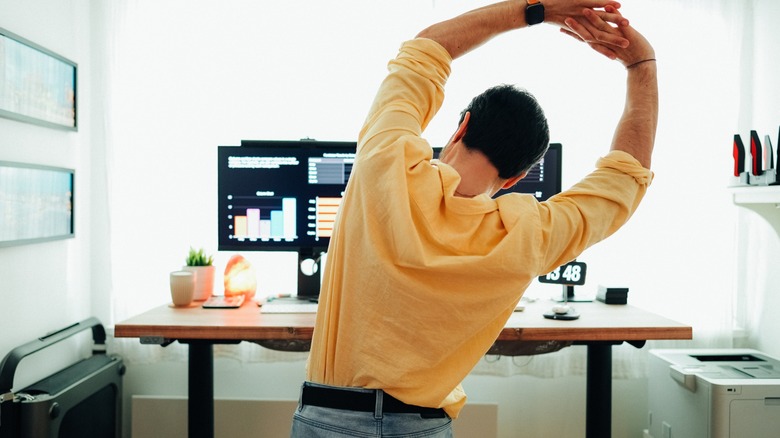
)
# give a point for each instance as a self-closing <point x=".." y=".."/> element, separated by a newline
<point x="713" y="393"/>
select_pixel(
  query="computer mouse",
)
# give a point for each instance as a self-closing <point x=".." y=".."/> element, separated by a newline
<point x="560" y="309"/>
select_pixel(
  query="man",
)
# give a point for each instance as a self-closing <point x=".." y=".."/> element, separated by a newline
<point x="424" y="268"/>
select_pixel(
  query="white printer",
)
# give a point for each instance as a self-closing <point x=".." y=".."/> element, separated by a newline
<point x="713" y="393"/>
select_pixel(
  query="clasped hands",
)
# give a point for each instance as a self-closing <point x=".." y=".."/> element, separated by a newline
<point x="600" y="24"/>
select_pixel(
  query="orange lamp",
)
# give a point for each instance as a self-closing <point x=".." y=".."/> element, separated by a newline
<point x="240" y="277"/>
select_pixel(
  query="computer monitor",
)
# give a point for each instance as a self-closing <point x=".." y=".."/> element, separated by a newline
<point x="282" y="196"/>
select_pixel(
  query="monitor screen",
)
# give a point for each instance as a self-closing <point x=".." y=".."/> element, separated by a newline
<point x="544" y="179"/>
<point x="280" y="195"/>
<point x="284" y="195"/>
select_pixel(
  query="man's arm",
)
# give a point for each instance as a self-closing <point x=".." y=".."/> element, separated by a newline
<point x="635" y="133"/>
<point x="468" y="31"/>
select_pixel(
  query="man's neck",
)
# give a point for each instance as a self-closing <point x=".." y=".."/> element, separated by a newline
<point x="477" y="174"/>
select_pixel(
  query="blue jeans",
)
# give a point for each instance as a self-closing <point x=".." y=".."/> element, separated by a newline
<point x="319" y="422"/>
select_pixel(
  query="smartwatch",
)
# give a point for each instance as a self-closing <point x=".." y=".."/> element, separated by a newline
<point x="534" y="12"/>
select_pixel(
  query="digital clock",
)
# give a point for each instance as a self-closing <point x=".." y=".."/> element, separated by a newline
<point x="572" y="273"/>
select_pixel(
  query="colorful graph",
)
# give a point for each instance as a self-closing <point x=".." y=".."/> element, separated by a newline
<point x="277" y="222"/>
<point x="326" y="215"/>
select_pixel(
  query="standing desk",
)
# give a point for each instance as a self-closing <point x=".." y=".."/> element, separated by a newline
<point x="599" y="328"/>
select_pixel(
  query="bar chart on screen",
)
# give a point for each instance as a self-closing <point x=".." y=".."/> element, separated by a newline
<point x="264" y="218"/>
<point x="281" y="195"/>
<point x="326" y="208"/>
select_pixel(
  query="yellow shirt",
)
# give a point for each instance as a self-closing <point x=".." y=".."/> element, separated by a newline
<point x="419" y="283"/>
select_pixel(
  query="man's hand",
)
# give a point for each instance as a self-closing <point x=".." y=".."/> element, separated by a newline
<point x="610" y="21"/>
<point x="569" y="14"/>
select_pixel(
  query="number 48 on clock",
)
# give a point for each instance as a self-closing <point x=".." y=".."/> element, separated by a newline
<point x="572" y="273"/>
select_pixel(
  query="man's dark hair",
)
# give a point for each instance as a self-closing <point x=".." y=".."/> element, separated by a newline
<point x="509" y="127"/>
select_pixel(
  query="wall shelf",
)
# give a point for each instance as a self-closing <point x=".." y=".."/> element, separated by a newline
<point x="764" y="200"/>
<point x="759" y="195"/>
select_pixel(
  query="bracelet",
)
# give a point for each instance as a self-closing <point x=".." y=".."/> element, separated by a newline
<point x="639" y="62"/>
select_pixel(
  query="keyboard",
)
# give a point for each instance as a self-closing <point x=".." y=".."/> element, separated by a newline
<point x="277" y="307"/>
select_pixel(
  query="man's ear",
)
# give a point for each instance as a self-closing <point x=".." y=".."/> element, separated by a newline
<point x="512" y="181"/>
<point x="461" y="132"/>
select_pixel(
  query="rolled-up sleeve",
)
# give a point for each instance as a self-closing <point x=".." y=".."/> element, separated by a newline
<point x="592" y="209"/>
<point x="410" y="95"/>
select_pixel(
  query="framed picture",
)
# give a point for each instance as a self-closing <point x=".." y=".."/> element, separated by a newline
<point x="36" y="203"/>
<point x="36" y="85"/>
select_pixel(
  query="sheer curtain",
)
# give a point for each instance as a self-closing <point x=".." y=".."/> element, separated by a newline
<point x="107" y="26"/>
<point x="758" y="228"/>
<point x="183" y="77"/>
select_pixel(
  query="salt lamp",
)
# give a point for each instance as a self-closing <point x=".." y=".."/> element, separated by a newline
<point x="240" y="277"/>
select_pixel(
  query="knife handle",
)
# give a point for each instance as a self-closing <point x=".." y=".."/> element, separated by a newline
<point x="755" y="153"/>
<point x="739" y="155"/>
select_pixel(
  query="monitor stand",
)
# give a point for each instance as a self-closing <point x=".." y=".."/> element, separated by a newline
<point x="309" y="261"/>
<point x="570" y="296"/>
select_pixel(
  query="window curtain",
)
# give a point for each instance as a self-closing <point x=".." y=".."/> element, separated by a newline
<point x="758" y="228"/>
<point x="178" y="78"/>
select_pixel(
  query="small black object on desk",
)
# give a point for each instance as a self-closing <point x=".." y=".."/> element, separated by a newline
<point x="563" y="313"/>
<point x="612" y="295"/>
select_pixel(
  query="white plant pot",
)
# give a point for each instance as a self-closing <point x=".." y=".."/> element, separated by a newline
<point x="204" y="281"/>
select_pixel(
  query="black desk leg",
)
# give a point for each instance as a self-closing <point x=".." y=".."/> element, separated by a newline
<point x="598" y="410"/>
<point x="200" y="407"/>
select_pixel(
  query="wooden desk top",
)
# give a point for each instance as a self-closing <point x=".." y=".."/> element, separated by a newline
<point x="194" y="322"/>
<point x="598" y="322"/>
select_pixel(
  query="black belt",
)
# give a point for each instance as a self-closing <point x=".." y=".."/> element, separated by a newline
<point x="362" y="401"/>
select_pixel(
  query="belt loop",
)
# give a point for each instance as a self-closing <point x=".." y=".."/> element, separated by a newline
<point x="378" y="404"/>
<point x="300" y="397"/>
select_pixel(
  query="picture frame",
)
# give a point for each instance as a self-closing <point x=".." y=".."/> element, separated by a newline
<point x="36" y="203"/>
<point x="36" y="85"/>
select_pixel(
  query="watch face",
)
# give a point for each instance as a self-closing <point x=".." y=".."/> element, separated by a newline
<point x="534" y="14"/>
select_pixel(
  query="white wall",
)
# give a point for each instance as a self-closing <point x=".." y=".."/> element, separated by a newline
<point x="46" y="286"/>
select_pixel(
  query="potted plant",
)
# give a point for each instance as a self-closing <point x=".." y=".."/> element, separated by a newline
<point x="202" y="268"/>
